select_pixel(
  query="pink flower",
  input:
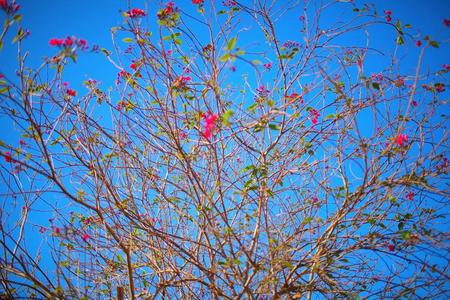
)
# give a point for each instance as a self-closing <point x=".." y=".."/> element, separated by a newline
<point x="8" y="157"/>
<point x="183" y="135"/>
<point x="68" y="42"/>
<point x="446" y="22"/>
<point x="410" y="196"/>
<point x="418" y="43"/>
<point x="210" y="120"/>
<point x="268" y="66"/>
<point x="56" y="230"/>
<point x="136" y="12"/>
<point x="391" y="247"/>
<point x="81" y="43"/>
<point x="314" y="115"/>
<point x="294" y="96"/>
<point x="56" y="42"/>
<point x="387" y="15"/>
<point x="228" y="3"/>
<point x="42" y="229"/>
<point x="4" y="4"/>
<point x="262" y="91"/>
<point x="1" y="76"/>
<point x="71" y="92"/>
<point x="401" y="138"/>
<point x="85" y="237"/>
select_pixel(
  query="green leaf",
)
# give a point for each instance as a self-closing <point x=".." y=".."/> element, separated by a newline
<point x="398" y="25"/>
<point x="224" y="57"/>
<point x="400" y="40"/>
<point x="231" y="43"/>
<point x="17" y="18"/>
<point x="256" y="62"/>
<point x="248" y="168"/>
<point x="127" y="40"/>
<point x="4" y="90"/>
<point x="106" y="52"/>
<point x="405" y="235"/>
<point x="434" y="44"/>
<point x="252" y="107"/>
<point x="376" y="85"/>
<point x="226" y="117"/>
<point x="274" y="127"/>
<point x="307" y="220"/>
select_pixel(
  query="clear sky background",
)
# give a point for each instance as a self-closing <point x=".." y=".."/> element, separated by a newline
<point x="92" y="20"/>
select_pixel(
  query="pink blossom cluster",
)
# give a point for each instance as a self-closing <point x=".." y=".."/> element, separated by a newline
<point x="210" y="123"/>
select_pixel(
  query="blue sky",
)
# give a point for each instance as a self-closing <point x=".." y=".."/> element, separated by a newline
<point x="92" y="20"/>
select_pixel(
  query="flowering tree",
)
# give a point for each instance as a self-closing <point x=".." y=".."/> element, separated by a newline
<point x="231" y="159"/>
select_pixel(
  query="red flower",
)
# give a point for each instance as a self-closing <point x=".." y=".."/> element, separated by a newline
<point x="200" y="2"/>
<point x="314" y="114"/>
<point x="56" y="42"/>
<point x="85" y="237"/>
<point x="439" y="87"/>
<point x="22" y="143"/>
<point x="294" y="96"/>
<point x="71" y="92"/>
<point x="4" y="4"/>
<point x="391" y="247"/>
<point x="181" y="81"/>
<point x="268" y="66"/>
<point x="42" y="229"/>
<point x="68" y="42"/>
<point x="136" y="12"/>
<point x="167" y="11"/>
<point x="387" y="15"/>
<point x="1" y="75"/>
<point x="446" y="22"/>
<point x="56" y="230"/>
<point x="410" y="196"/>
<point x="401" y="138"/>
<point x="418" y="43"/>
<point x="81" y="43"/>
<point x="133" y="66"/>
<point x="8" y="157"/>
